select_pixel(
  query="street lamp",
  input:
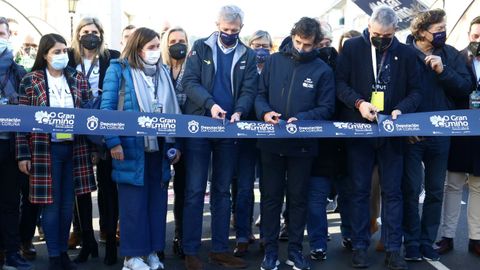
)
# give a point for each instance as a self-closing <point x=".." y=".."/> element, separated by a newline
<point x="72" y="8"/>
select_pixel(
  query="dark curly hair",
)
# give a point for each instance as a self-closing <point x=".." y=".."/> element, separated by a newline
<point x="476" y="20"/>
<point x="424" y="20"/>
<point x="307" y="27"/>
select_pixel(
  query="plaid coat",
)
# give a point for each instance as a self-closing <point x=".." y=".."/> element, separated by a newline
<point x="36" y="146"/>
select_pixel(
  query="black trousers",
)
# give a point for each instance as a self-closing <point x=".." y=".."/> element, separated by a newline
<point x="179" y="197"/>
<point x="9" y="198"/>
<point x="284" y="174"/>
<point x="29" y="212"/>
<point x="107" y="203"/>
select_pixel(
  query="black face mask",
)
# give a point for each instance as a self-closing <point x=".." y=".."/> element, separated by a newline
<point x="304" y="56"/>
<point x="90" y="41"/>
<point x="474" y="48"/>
<point x="178" y="51"/>
<point x="381" y="43"/>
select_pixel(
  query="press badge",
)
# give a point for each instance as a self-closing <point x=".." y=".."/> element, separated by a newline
<point x="63" y="136"/>
<point x="157" y="107"/>
<point x="378" y="98"/>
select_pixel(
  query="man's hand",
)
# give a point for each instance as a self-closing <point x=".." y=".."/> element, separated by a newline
<point x="435" y="62"/>
<point x="24" y="166"/>
<point x="177" y="157"/>
<point x="235" y="117"/>
<point x="368" y="111"/>
<point x="395" y="114"/>
<point x="291" y="119"/>
<point x="272" y="117"/>
<point x="217" y="112"/>
<point x="117" y="152"/>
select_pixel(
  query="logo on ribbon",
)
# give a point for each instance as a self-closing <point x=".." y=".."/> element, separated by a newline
<point x="57" y="120"/>
<point x="388" y="125"/>
<point x="92" y="123"/>
<point x="291" y="128"/>
<point x="193" y="126"/>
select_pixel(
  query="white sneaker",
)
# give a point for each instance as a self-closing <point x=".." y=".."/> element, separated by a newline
<point x="135" y="263"/>
<point x="154" y="262"/>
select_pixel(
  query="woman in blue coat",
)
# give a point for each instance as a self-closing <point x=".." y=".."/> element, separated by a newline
<point x="141" y="167"/>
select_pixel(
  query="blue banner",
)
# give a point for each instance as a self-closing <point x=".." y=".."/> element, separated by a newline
<point x="102" y="122"/>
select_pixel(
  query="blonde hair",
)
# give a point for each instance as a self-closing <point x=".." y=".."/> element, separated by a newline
<point x="135" y="44"/>
<point x="78" y="48"/>
<point x="164" y="44"/>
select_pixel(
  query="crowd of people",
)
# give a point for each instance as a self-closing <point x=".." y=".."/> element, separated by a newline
<point x="48" y="178"/>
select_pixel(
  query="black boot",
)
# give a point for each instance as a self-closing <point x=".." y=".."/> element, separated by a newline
<point x="67" y="264"/>
<point x="178" y="248"/>
<point x="110" y="250"/>
<point x="54" y="263"/>
<point x="89" y="247"/>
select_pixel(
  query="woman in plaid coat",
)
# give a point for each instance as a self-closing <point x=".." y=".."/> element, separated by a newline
<point x="58" y="164"/>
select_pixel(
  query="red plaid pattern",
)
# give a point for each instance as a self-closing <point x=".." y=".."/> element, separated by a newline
<point x="36" y="146"/>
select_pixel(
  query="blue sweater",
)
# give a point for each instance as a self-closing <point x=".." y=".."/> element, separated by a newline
<point x="222" y="85"/>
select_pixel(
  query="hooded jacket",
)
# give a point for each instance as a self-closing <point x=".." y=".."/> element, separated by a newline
<point x="304" y="90"/>
<point x="354" y="77"/>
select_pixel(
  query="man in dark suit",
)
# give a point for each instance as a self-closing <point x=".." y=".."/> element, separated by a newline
<point x="376" y="73"/>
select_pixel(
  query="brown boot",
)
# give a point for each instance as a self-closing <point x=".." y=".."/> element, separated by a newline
<point x="74" y="240"/>
<point x="226" y="259"/>
<point x="193" y="263"/>
<point x="240" y="250"/>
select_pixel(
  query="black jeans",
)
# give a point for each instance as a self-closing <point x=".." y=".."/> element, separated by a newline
<point x="179" y="197"/>
<point x="9" y="198"/>
<point x="107" y="197"/>
<point x="29" y="213"/>
<point x="280" y="174"/>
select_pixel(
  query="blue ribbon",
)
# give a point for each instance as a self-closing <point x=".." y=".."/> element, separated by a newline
<point x="121" y="123"/>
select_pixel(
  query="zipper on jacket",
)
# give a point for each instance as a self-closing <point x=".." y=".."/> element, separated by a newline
<point x="287" y="109"/>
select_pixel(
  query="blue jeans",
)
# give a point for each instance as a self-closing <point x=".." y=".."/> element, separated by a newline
<point x="57" y="217"/>
<point x="198" y="152"/>
<point x="317" y="225"/>
<point x="247" y="158"/>
<point x="143" y="211"/>
<point x="362" y="156"/>
<point x="434" y="154"/>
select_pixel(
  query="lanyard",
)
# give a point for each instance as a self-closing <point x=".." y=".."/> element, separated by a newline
<point x="92" y="65"/>
<point x="59" y="92"/>
<point x="374" y="65"/>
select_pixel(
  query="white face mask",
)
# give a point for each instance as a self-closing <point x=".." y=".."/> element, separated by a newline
<point x="5" y="45"/>
<point x="59" y="61"/>
<point x="152" y="57"/>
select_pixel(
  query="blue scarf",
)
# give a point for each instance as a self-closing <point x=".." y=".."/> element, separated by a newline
<point x="9" y="91"/>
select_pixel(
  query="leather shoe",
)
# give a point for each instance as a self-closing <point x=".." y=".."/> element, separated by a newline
<point x="193" y="263"/>
<point x="444" y="245"/>
<point x="226" y="259"/>
<point x="474" y="246"/>
<point x="240" y="250"/>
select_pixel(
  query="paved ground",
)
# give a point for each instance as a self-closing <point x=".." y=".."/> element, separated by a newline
<point x="338" y="257"/>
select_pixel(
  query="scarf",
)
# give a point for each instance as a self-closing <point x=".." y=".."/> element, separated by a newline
<point x="8" y="90"/>
<point x="165" y="96"/>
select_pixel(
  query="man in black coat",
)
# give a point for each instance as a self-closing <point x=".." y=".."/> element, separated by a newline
<point x="294" y="85"/>
<point x="390" y="85"/>
<point x="445" y="78"/>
